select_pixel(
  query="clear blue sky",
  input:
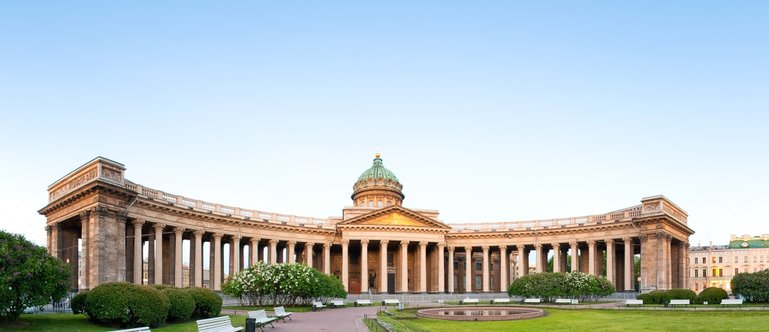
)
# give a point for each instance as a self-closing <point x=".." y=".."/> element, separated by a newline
<point x="486" y="111"/>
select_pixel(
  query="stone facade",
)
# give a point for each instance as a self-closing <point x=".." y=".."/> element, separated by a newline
<point x="716" y="265"/>
<point x="374" y="247"/>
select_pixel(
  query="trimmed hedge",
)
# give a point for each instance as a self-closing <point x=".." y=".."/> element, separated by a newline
<point x="182" y="304"/>
<point x="553" y="285"/>
<point x="207" y="302"/>
<point x="78" y="302"/>
<point x="127" y="304"/>
<point x="713" y="295"/>
<point x="664" y="296"/>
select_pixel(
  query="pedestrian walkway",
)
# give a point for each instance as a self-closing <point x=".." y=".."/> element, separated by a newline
<point x="342" y="320"/>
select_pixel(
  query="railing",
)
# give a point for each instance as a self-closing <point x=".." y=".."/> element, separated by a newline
<point x="614" y="216"/>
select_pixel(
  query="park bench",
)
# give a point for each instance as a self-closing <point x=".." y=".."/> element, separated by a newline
<point x="532" y="301"/>
<point x="468" y="301"/>
<point x="261" y="319"/>
<point x="506" y="300"/>
<point x="674" y="303"/>
<point x="563" y="301"/>
<point x="737" y="302"/>
<point x="362" y="302"/>
<point x="317" y="306"/>
<point x="391" y="302"/>
<point x="138" y="329"/>
<point x="634" y="302"/>
<point x="217" y="324"/>
<point x="337" y="303"/>
<point x="281" y="313"/>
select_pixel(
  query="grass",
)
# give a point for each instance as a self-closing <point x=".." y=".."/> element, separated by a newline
<point x="70" y="323"/>
<point x="600" y="320"/>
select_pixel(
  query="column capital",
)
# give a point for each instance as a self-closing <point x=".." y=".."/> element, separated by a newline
<point x="345" y="242"/>
<point x="609" y="241"/>
<point x="121" y="217"/>
<point x="538" y="246"/>
<point x="179" y="230"/>
<point x="573" y="243"/>
<point x="158" y="226"/>
<point x="468" y="248"/>
<point x="199" y="232"/>
<point x="450" y="248"/>
<point x="627" y="239"/>
<point x="138" y="223"/>
<point x="404" y="243"/>
<point x="441" y="245"/>
<point x="423" y="243"/>
<point x="85" y="214"/>
<point x="309" y="244"/>
<point x="218" y="236"/>
<point x="47" y="228"/>
<point x="326" y="245"/>
<point x="273" y="241"/>
<point x="255" y="240"/>
<point x="384" y="242"/>
<point x="591" y="242"/>
<point x="556" y="245"/>
<point x="364" y="242"/>
<point x="292" y="243"/>
<point x="485" y="248"/>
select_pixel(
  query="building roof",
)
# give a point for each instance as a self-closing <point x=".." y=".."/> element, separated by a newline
<point x="378" y="171"/>
<point x="751" y="243"/>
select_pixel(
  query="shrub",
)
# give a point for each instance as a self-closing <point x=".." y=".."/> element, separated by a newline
<point x="753" y="287"/>
<point x="664" y="296"/>
<point x="207" y="302"/>
<point x="29" y="276"/>
<point x="551" y="285"/>
<point x="182" y="304"/>
<point x="127" y="304"/>
<point x="78" y="302"/>
<point x="682" y="294"/>
<point x="712" y="295"/>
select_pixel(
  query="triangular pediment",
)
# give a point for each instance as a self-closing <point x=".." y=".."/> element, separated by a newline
<point x="395" y="216"/>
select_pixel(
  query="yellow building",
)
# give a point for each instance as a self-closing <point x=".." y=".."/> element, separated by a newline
<point x="715" y="266"/>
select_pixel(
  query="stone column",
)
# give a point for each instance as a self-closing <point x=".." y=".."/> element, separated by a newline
<point x="308" y="253"/>
<point x="291" y="252"/>
<point x="683" y="253"/>
<point x="574" y="256"/>
<point x="235" y="254"/>
<point x="178" y="231"/>
<point x="254" y="257"/>
<point x="557" y="257"/>
<point x="198" y="281"/>
<point x="345" y="265"/>
<point x="273" y="252"/>
<point x="138" y="259"/>
<point x="158" y="253"/>
<point x="591" y="257"/>
<point x="85" y="223"/>
<point x="610" y="261"/>
<point x="485" y="282"/>
<point x="404" y="269"/>
<point x="503" y="268"/>
<point x="441" y="275"/>
<point x="628" y="263"/>
<point x="423" y="267"/>
<point x="217" y="263"/>
<point x="383" y="266"/>
<point x="523" y="261"/>
<point x="451" y="270"/>
<point x="364" y="266"/>
<point x="327" y="258"/>
<point x="468" y="269"/>
<point x="538" y="261"/>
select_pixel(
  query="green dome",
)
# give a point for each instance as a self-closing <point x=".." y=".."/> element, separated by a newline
<point x="378" y="171"/>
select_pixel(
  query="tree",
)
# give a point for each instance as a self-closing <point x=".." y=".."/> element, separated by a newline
<point x="29" y="276"/>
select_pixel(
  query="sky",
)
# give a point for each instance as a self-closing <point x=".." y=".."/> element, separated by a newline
<point x="486" y="111"/>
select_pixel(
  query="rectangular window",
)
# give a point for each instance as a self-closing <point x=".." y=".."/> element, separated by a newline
<point x="720" y="259"/>
<point x="478" y="282"/>
<point x="746" y="259"/>
<point x="713" y="259"/>
<point x="736" y="259"/>
<point x="755" y="258"/>
<point x="715" y="273"/>
<point x="736" y="271"/>
<point x="704" y="273"/>
<point x="720" y="272"/>
<point x="696" y="273"/>
<point x="695" y="260"/>
<point x="478" y="265"/>
<point x="761" y="258"/>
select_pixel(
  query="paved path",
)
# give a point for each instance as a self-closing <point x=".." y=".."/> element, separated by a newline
<point x="343" y="320"/>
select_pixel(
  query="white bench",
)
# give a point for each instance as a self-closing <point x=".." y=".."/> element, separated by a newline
<point x="500" y="301"/>
<point x="563" y="301"/>
<point x="317" y="305"/>
<point x="634" y="302"/>
<point x="679" y="302"/>
<point x="337" y="303"/>
<point x="391" y="302"/>
<point x="362" y="302"/>
<point x="281" y="313"/>
<point x="138" y="329"/>
<point x="532" y="301"/>
<point x="261" y="319"/>
<point x="468" y="301"/>
<point x="217" y="324"/>
<point x="737" y="302"/>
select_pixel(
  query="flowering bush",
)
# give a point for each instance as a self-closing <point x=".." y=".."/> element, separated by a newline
<point x="552" y="285"/>
<point x="282" y="284"/>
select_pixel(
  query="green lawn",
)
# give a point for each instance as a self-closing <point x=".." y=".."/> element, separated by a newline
<point x="605" y="320"/>
<point x="72" y="323"/>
